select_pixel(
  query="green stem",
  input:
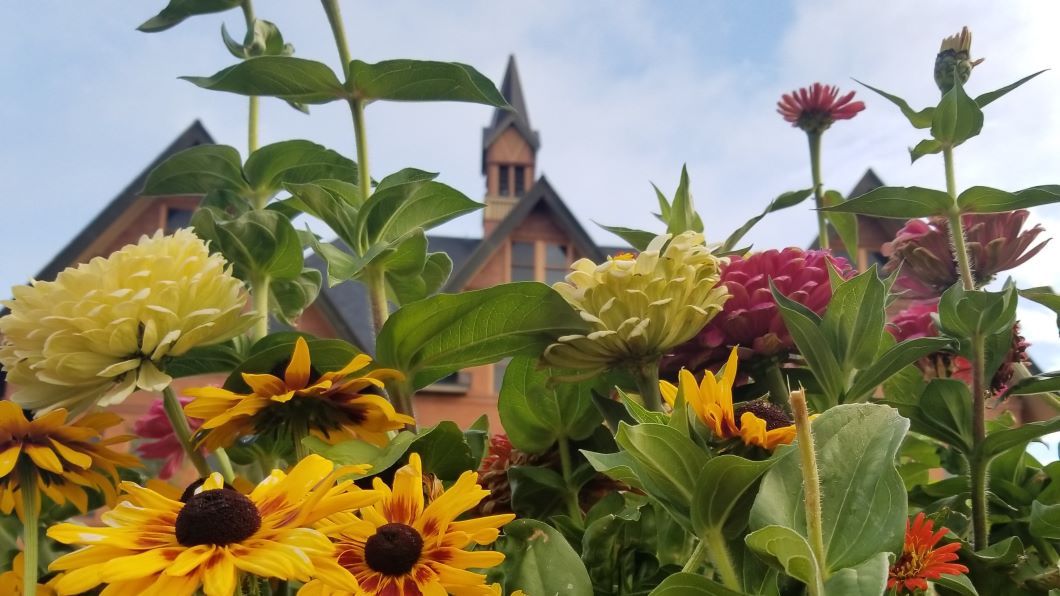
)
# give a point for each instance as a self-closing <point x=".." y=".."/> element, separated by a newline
<point x="400" y="394"/>
<point x="960" y="249"/>
<point x="647" y="377"/>
<point x="376" y="284"/>
<point x="719" y="555"/>
<point x="259" y="286"/>
<point x="171" y="405"/>
<point x="697" y="557"/>
<point x="299" y="431"/>
<point x="252" y="104"/>
<point x="574" y="509"/>
<point x="979" y="465"/>
<point x="774" y="379"/>
<point x="331" y="9"/>
<point x="30" y="529"/>
<point x="811" y="482"/>
<point x="225" y="463"/>
<point x="818" y="190"/>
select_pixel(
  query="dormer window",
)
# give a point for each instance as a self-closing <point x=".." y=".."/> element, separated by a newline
<point x="520" y="181"/>
<point x="504" y="188"/>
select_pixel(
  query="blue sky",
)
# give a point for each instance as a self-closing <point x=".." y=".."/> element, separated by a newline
<point x="622" y="93"/>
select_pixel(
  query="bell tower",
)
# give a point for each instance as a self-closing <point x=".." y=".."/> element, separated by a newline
<point x="509" y="151"/>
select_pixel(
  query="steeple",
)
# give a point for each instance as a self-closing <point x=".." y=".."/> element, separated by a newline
<point x="509" y="149"/>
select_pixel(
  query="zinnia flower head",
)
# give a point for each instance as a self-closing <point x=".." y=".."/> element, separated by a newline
<point x="639" y="307"/>
<point x="920" y="560"/>
<point x="750" y="318"/>
<point x="105" y="328"/>
<point x="996" y="242"/>
<point x="954" y="60"/>
<point x="339" y="405"/>
<point x="404" y="544"/>
<point x="815" y="108"/>
<point x="162" y="442"/>
<point x="63" y="459"/>
<point x="153" y="544"/>
<point x="758" y="423"/>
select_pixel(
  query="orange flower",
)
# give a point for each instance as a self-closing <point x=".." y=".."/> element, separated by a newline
<point x="920" y="560"/>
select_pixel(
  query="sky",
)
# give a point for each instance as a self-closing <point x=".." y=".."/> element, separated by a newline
<point x="623" y="94"/>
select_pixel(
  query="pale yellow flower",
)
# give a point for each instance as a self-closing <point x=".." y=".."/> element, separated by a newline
<point x="105" y="328"/>
<point x="638" y="307"/>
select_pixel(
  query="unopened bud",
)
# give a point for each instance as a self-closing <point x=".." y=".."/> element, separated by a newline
<point x="954" y="60"/>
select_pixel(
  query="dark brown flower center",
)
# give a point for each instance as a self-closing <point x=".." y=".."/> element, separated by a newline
<point x="773" y="415"/>
<point x="393" y="549"/>
<point x="217" y="517"/>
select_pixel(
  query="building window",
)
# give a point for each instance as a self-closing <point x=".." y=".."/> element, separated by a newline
<point x="499" y="369"/>
<point x="504" y="188"/>
<point x="523" y="261"/>
<point x="177" y="218"/>
<point x="556" y="263"/>
<point x="520" y="180"/>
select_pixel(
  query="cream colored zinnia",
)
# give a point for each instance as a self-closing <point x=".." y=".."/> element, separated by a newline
<point x="639" y="306"/>
<point x="105" y="328"/>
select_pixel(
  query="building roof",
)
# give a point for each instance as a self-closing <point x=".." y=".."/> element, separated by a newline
<point x="518" y="116"/>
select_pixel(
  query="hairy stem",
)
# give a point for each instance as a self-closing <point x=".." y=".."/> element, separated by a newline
<point x="694" y="561"/>
<point x="979" y="465"/>
<point x="573" y="507"/>
<point x="30" y="529"/>
<point x="960" y="249"/>
<point x="722" y="559"/>
<point x="647" y="377"/>
<point x="376" y="284"/>
<point x="818" y="189"/>
<point x="179" y="422"/>
<point x="811" y="480"/>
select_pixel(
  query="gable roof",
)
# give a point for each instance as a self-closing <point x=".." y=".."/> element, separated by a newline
<point x="195" y="134"/>
<point x="519" y="117"/>
<point x="541" y="193"/>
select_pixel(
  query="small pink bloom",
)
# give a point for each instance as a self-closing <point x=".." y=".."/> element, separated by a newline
<point x="165" y="446"/>
<point x="815" y="108"/>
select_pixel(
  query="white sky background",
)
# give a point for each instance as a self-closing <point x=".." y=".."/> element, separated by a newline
<point x="622" y="93"/>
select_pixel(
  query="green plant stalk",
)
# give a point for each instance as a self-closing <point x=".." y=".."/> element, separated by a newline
<point x="171" y="405"/>
<point x="818" y="188"/>
<point x="647" y="377"/>
<point x="299" y="431"/>
<point x="722" y="559"/>
<point x="696" y="558"/>
<point x="400" y="394"/>
<point x="30" y="529"/>
<point x="259" y="285"/>
<point x="811" y="483"/>
<point x="225" y="463"/>
<point x="960" y="249"/>
<point x="774" y="380"/>
<point x="574" y="509"/>
<point x="376" y="283"/>
<point x="252" y="102"/>
<point x="979" y="465"/>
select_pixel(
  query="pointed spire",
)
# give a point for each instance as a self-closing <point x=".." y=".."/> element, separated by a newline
<point x="512" y="90"/>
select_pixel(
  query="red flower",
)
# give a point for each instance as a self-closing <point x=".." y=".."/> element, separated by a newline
<point x="920" y="560"/>
<point x="814" y="109"/>
<point x="165" y="446"/>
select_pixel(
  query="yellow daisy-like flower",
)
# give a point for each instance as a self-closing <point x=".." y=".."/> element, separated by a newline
<point x="639" y="307"/>
<point x="403" y="547"/>
<point x="338" y="405"/>
<point x="13" y="584"/>
<point x="759" y="423"/>
<point x="102" y="330"/>
<point x="64" y="459"/>
<point x="156" y="546"/>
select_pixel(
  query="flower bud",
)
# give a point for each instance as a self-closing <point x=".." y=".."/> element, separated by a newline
<point x="954" y="60"/>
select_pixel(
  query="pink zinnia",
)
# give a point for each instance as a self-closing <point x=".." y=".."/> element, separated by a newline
<point x="165" y="445"/>
<point x="814" y="109"/>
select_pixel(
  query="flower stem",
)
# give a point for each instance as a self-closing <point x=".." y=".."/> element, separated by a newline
<point x="697" y="557"/>
<point x="811" y="482"/>
<point x="774" y="379"/>
<point x="260" y="286"/>
<point x="225" y="463"/>
<point x="574" y="509"/>
<point x="647" y="378"/>
<point x="818" y="189"/>
<point x="30" y="530"/>
<point x="722" y="560"/>
<point x="299" y="431"/>
<point x="400" y="394"/>
<point x="331" y="9"/>
<point x="979" y="465"/>
<point x="960" y="250"/>
<point x="252" y="102"/>
<point x="377" y="294"/>
<point x="171" y="405"/>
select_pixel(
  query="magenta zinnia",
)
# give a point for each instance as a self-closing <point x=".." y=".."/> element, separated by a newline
<point x="815" y="108"/>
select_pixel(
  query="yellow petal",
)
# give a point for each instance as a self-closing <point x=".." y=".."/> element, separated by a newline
<point x="297" y="373"/>
<point x="44" y="457"/>
<point x="8" y="459"/>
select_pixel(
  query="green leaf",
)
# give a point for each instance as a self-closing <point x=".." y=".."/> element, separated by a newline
<point x="682" y="211"/>
<point x="925" y="147"/>
<point x="638" y="239"/>
<point x="990" y="316"/>
<point x="958" y="584"/>
<point x="1000" y="441"/>
<point x="983" y="199"/>
<point x="870" y="577"/>
<point x="536" y="413"/>
<point x="201" y="360"/>
<point x="946" y="407"/>
<point x="256" y="242"/>
<point x="437" y="336"/>
<point x="539" y="561"/>
<point x="360" y="452"/>
<point x="197" y="171"/>
<point x="921" y="119"/>
<point x="691" y="584"/>
<point x="723" y="483"/>
<point x="787" y="549"/>
<point x="536" y="492"/>
<point x="323" y="203"/>
<point x="396" y="211"/>
<point x="957" y="117"/>
<point x="295" y="162"/>
<point x="1024" y="199"/>
<point x="288" y="298"/>
<point x="286" y="77"/>
<point x="812" y="344"/>
<point x="897" y="202"/>
<point x="444" y="451"/>
<point x="1046" y="297"/>
<point x="639" y="413"/>
<point x="845" y="224"/>
<point x="422" y="80"/>
<point x="890" y="362"/>
<point x="666" y="458"/>
<point x="618" y="466"/>
<point x="1043" y="383"/>
<point x="1045" y="521"/>
<point x="853" y="322"/>
<point x="864" y="504"/>
<point x="178" y="10"/>
<point x="788" y="199"/>
<point x="989" y="97"/>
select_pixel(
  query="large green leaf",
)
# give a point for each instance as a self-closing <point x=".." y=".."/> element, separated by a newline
<point x="396" y="211"/>
<point x="1025" y="199"/>
<point x="286" y="77"/>
<point x="295" y="162"/>
<point x="358" y="452"/>
<point x="537" y="492"/>
<point x="1043" y="383"/>
<point x="536" y="413"/>
<point x="444" y="451"/>
<point x="1000" y="441"/>
<point x="1045" y="521"/>
<point x="288" y="298"/>
<point x="787" y="549"/>
<point x="788" y="199"/>
<point x="422" y="80"/>
<point x="539" y="561"/>
<point x="853" y="322"/>
<point x="723" y="483"/>
<point x="870" y="577"/>
<point x="890" y="362"/>
<point x="197" y="171"/>
<point x="957" y="117"/>
<point x="666" y="458"/>
<point x="178" y="10"/>
<point x="638" y="239"/>
<point x="983" y="199"/>
<point x="256" y="242"/>
<point x="690" y="584"/>
<point x="812" y="343"/>
<point x="845" y="224"/>
<point x="925" y="147"/>
<point x="946" y="413"/>
<point x="437" y="336"/>
<point x="921" y="119"/>
<point x="864" y="499"/>
<point x="897" y="202"/>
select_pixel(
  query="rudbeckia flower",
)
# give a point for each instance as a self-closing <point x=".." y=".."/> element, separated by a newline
<point x="639" y="307"/>
<point x="66" y="459"/>
<point x="403" y="546"/>
<point x="105" y="328"/>
<point x="757" y="422"/>
<point x="338" y="405"/>
<point x="13" y="584"/>
<point x="920" y="561"/>
<point x="815" y="108"/>
<point x="153" y="544"/>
